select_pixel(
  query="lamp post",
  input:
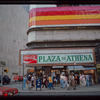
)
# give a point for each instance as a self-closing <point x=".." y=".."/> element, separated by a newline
<point x="23" y="74"/>
<point x="19" y="74"/>
<point x="2" y="65"/>
<point x="2" y="76"/>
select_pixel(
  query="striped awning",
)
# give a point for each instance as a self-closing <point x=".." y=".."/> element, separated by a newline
<point x="73" y="15"/>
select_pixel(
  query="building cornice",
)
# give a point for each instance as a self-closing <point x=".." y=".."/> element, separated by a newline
<point x="62" y="28"/>
<point x="77" y="43"/>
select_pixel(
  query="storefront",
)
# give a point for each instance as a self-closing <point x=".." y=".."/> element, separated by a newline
<point x="57" y="61"/>
<point x="91" y="70"/>
<point x="98" y="72"/>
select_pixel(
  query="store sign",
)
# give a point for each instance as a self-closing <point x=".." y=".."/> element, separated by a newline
<point x="58" y="58"/>
<point x="39" y="67"/>
<point x="57" y="66"/>
<point x="2" y="64"/>
<point x="29" y="59"/>
<point x="90" y="68"/>
<point x="30" y="70"/>
<point x="98" y="65"/>
<point x="75" y="67"/>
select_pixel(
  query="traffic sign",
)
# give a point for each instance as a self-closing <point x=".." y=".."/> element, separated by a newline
<point x="2" y="64"/>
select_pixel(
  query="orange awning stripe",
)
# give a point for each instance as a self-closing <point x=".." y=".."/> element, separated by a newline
<point x="57" y="22"/>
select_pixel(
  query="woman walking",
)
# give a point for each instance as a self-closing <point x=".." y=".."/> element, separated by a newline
<point x="66" y="82"/>
<point x="83" y="80"/>
<point x="81" y="84"/>
<point x="62" y="81"/>
<point x="71" y="81"/>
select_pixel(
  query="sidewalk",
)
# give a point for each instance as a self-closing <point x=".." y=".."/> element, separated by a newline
<point x="93" y="88"/>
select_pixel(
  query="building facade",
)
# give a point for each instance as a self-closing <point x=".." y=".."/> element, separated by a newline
<point x="13" y="26"/>
<point x="63" y="32"/>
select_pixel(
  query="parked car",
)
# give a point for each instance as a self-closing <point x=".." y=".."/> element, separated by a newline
<point x="17" y="78"/>
<point x="8" y="91"/>
<point x="6" y="79"/>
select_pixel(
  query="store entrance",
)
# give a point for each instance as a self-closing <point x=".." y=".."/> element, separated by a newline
<point x="90" y="72"/>
<point x="77" y="74"/>
<point x="58" y="71"/>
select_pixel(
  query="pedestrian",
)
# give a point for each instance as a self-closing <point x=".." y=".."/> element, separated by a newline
<point x="44" y="81"/>
<point x="55" y="80"/>
<point x="90" y="80"/>
<point x="76" y="78"/>
<point x="50" y="82"/>
<point x="83" y="80"/>
<point x="61" y="80"/>
<point x="66" y="82"/>
<point x="71" y="81"/>
<point x="87" y="80"/>
<point x="81" y="84"/>
<point x="29" y="82"/>
<point x="52" y="79"/>
<point x="24" y="82"/>
<point x="32" y="81"/>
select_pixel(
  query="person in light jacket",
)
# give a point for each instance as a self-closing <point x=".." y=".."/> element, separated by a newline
<point x="24" y="82"/>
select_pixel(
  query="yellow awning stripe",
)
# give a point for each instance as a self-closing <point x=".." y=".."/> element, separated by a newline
<point x="64" y="17"/>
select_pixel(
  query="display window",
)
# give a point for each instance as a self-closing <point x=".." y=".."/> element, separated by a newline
<point x="98" y="74"/>
<point x="89" y="71"/>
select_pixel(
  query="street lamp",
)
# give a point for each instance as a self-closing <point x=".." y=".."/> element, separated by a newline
<point x="19" y="74"/>
<point x="2" y="75"/>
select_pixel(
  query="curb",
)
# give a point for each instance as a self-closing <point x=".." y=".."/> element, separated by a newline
<point x="57" y="91"/>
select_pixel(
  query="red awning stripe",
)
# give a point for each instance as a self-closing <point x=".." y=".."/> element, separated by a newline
<point x="53" y="13"/>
